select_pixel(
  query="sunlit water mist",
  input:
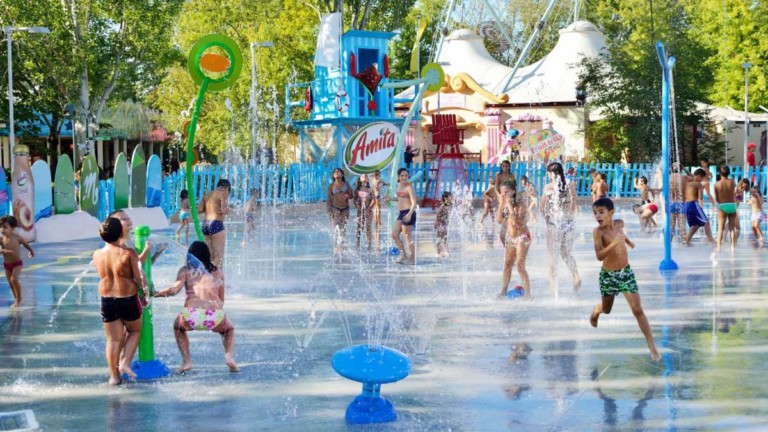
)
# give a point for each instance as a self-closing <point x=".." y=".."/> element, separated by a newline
<point x="479" y="363"/>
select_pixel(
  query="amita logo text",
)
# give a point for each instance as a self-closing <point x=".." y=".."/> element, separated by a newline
<point x="371" y="148"/>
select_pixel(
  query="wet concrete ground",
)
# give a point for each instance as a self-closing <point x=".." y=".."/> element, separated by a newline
<point x="480" y="364"/>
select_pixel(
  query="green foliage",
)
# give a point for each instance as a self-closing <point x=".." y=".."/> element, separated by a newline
<point x="624" y="84"/>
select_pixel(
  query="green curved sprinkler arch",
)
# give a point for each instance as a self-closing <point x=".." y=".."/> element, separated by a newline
<point x="200" y="75"/>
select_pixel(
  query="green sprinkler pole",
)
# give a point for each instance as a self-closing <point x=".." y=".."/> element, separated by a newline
<point x="147" y="340"/>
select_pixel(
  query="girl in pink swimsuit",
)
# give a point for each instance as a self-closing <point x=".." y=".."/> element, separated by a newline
<point x="204" y="285"/>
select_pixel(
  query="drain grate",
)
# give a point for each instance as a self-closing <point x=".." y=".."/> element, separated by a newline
<point x="18" y="421"/>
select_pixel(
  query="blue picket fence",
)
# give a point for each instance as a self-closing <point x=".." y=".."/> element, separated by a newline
<point x="302" y="183"/>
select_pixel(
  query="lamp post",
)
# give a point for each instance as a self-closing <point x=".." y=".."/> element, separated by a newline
<point x="254" y="111"/>
<point x="9" y="39"/>
<point x="70" y="109"/>
<point x="746" y="66"/>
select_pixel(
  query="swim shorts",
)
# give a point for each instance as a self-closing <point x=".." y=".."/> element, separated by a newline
<point x="212" y="227"/>
<point x="614" y="282"/>
<point x="402" y="215"/>
<point x="124" y="308"/>
<point x="728" y="208"/>
<point x="183" y="215"/>
<point x="695" y="215"/>
<point x="653" y="208"/>
<point x="202" y="319"/>
<point x="10" y="266"/>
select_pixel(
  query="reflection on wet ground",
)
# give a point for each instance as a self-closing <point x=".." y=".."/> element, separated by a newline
<point x="479" y="363"/>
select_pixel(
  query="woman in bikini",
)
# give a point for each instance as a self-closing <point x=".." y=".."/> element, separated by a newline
<point x="503" y="177"/>
<point x="204" y="286"/>
<point x="339" y="194"/>
<point x="406" y="219"/>
<point x="362" y="200"/>
<point x="518" y="238"/>
<point x="558" y="205"/>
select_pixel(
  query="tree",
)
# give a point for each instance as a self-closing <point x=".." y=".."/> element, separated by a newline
<point x="624" y="84"/>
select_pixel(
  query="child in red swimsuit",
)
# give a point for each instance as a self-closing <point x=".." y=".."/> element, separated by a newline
<point x="11" y="244"/>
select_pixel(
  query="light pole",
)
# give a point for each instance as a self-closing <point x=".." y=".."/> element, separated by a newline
<point x="70" y="109"/>
<point x="254" y="112"/>
<point x="746" y="66"/>
<point x="9" y="39"/>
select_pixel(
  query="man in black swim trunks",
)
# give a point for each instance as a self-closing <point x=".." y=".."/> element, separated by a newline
<point x="120" y="276"/>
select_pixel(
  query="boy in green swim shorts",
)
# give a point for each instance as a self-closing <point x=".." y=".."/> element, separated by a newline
<point x="725" y="194"/>
<point x="616" y="276"/>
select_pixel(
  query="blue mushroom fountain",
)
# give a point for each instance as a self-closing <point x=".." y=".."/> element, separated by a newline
<point x="372" y="366"/>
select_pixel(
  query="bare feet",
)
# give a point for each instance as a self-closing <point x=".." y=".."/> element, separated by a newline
<point x="502" y="294"/>
<point x="231" y="365"/>
<point x="15" y="304"/>
<point x="655" y="354"/>
<point x="126" y="370"/>
<point x="115" y="381"/>
<point x="185" y="367"/>
<point x="595" y="314"/>
<point x="401" y="258"/>
<point x="576" y="282"/>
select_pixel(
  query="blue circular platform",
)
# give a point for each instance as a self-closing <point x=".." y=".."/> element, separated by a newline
<point x="376" y="365"/>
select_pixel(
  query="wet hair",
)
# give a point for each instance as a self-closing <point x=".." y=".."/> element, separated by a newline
<point x="604" y="176"/>
<point x="508" y="163"/>
<point x="200" y="251"/>
<point x="10" y="220"/>
<point x="118" y="213"/>
<point x="705" y="160"/>
<point x="605" y="203"/>
<point x="636" y="208"/>
<point x="445" y="197"/>
<point x="224" y="183"/>
<point x="724" y="171"/>
<point x="110" y="230"/>
<point x="643" y="179"/>
<point x="339" y="170"/>
<point x="701" y="173"/>
<point x="745" y="181"/>
<point x="513" y="185"/>
<point x="756" y="192"/>
<point x="184" y="194"/>
<point x="360" y="182"/>
<point x="557" y="169"/>
<point x="523" y="178"/>
<point x="401" y="170"/>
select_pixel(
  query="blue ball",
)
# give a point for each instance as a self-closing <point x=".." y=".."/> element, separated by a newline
<point x="393" y="252"/>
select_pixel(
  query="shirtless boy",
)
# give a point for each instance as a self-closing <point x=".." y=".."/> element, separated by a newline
<point x="11" y="244"/>
<point x="120" y="276"/>
<point x="725" y="193"/>
<point x="616" y="276"/>
<point x="677" y="184"/>
<point x="694" y="197"/>
<point x="215" y="206"/>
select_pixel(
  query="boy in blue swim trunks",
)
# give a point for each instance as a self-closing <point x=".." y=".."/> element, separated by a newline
<point x="616" y="276"/>
<point x="694" y="198"/>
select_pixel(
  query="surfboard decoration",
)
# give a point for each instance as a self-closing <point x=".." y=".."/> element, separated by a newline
<point x="121" y="182"/>
<point x="3" y="196"/>
<point x="138" y="178"/>
<point x="41" y="173"/>
<point x="154" y="181"/>
<point x="89" y="186"/>
<point x="64" y="187"/>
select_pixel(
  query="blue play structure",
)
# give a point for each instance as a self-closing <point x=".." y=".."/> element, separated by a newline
<point x="337" y="102"/>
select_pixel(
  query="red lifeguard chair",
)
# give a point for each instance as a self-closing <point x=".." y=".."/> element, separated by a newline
<point x="448" y="162"/>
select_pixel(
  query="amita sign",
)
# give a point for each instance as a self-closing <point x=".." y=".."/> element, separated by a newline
<point x="371" y="148"/>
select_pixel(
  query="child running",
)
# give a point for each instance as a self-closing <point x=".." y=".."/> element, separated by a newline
<point x="183" y="215"/>
<point x="518" y="238"/>
<point x="441" y="224"/>
<point x="204" y="285"/>
<point x="616" y="276"/>
<point x="11" y="243"/>
<point x="756" y="201"/>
